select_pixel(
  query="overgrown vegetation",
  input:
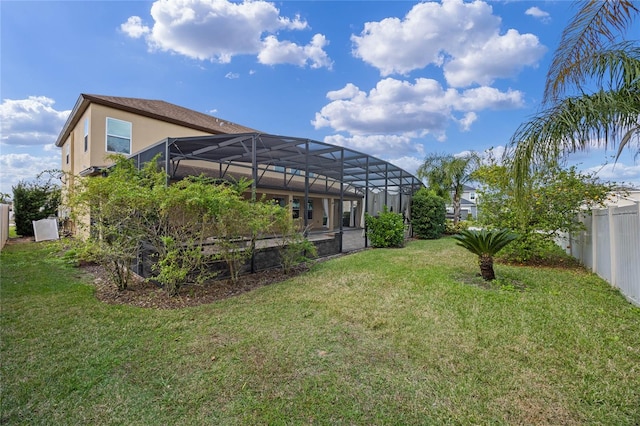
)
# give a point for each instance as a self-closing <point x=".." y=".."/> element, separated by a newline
<point x="405" y="336"/>
<point x="428" y="214"/>
<point x="549" y="205"/>
<point x="187" y="226"/>
<point x="35" y="200"/>
<point x="386" y="229"/>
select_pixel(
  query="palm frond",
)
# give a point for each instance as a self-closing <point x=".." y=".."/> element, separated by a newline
<point x="484" y="242"/>
<point x="605" y="118"/>
<point x="596" y="24"/>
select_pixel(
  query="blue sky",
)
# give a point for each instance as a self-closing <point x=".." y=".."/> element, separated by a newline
<point x="397" y="80"/>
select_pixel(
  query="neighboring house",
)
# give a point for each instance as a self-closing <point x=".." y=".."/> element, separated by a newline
<point x="314" y="179"/>
<point x="468" y="204"/>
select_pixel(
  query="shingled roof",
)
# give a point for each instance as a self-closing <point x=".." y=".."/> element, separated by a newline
<point x="152" y="108"/>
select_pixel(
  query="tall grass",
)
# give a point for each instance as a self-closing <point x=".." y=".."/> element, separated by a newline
<point x="397" y="336"/>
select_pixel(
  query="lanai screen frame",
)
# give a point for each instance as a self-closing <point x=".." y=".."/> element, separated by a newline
<point x="352" y="170"/>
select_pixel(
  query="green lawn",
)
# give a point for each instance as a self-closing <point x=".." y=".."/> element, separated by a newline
<point x="398" y="336"/>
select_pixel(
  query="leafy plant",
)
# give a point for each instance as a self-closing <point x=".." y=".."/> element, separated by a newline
<point x="34" y="201"/>
<point x="548" y="205"/>
<point x="294" y="247"/>
<point x="385" y="230"/>
<point x="428" y="214"/>
<point x="485" y="244"/>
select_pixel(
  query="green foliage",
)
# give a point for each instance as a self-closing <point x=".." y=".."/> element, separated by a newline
<point x="428" y="214"/>
<point x="548" y="205"/>
<point x="294" y="247"/>
<point x="34" y="201"/>
<point x="189" y="224"/>
<point x="451" y="228"/>
<point x="485" y="244"/>
<point x="447" y="175"/>
<point x="385" y="230"/>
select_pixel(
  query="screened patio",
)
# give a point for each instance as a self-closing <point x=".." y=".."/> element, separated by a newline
<point x="306" y="175"/>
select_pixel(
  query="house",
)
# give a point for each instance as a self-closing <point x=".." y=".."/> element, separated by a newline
<point x="468" y="204"/>
<point x="317" y="181"/>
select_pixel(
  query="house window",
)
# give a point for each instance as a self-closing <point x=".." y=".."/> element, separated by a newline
<point x="68" y="152"/>
<point x="118" y="136"/>
<point x="279" y="201"/>
<point x="86" y="134"/>
<point x="295" y="208"/>
<point x="472" y="197"/>
<point x="279" y="169"/>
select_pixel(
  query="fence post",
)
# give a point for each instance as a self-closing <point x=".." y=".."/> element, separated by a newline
<point x="612" y="247"/>
<point x="594" y="242"/>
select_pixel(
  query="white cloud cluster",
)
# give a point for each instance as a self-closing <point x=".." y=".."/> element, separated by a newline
<point x="217" y="30"/>
<point x="400" y="107"/>
<point x="618" y="172"/>
<point x="31" y="121"/>
<point x="17" y="167"/>
<point x="462" y="38"/>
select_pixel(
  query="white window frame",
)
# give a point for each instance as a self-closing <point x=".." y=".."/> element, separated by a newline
<point x="106" y="139"/>
<point x="86" y="135"/>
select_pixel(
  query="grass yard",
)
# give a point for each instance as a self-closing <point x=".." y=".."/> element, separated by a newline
<point x="398" y="336"/>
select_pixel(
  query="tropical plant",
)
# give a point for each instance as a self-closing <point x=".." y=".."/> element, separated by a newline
<point x="447" y="175"/>
<point x="386" y="229"/>
<point x="590" y="52"/>
<point x="428" y="214"/>
<point x="485" y="244"/>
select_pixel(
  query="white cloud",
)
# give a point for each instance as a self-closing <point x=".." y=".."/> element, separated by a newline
<point x="400" y="107"/>
<point x="17" y="167"/>
<point x="538" y="13"/>
<point x="377" y="145"/>
<point x="31" y="121"/>
<point x="464" y="38"/>
<point x="218" y="30"/>
<point x="407" y="163"/>
<point x="285" y="52"/>
<point x="232" y="75"/>
<point x="618" y="172"/>
<point x="134" y="27"/>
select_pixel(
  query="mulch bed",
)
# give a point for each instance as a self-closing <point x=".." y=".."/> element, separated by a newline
<point x="146" y="294"/>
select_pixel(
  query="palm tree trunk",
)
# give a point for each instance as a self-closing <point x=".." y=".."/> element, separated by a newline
<point x="486" y="267"/>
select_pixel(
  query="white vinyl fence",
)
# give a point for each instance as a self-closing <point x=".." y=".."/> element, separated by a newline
<point x="4" y="224"/>
<point x="610" y="247"/>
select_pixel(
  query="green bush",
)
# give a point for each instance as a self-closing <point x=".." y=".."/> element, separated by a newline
<point x="428" y="213"/>
<point x="452" y="229"/>
<point x="34" y="201"/>
<point x="385" y="230"/>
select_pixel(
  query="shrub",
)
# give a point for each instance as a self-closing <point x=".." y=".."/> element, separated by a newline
<point x="34" y="201"/>
<point x="428" y="214"/>
<point x="385" y="230"/>
<point x="451" y="228"/>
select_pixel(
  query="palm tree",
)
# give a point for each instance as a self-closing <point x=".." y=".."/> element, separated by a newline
<point x="589" y="52"/>
<point x="447" y="175"/>
<point x="485" y="244"/>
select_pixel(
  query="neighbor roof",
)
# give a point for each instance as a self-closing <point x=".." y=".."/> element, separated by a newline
<point x="152" y="108"/>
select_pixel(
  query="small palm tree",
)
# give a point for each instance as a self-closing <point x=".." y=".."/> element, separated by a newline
<point x="485" y="244"/>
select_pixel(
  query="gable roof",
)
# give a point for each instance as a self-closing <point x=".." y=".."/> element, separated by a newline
<point x="157" y="109"/>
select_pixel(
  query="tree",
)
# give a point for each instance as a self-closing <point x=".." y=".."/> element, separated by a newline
<point x="428" y="214"/>
<point x="35" y="200"/>
<point x="589" y="52"/>
<point x="485" y="244"/>
<point x="447" y="175"/>
<point x="548" y="204"/>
